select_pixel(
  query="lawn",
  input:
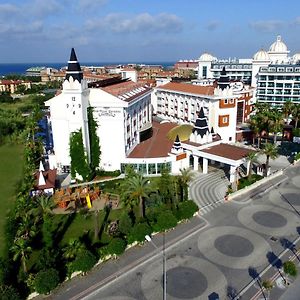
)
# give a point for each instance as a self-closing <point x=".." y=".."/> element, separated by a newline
<point x="79" y="224"/>
<point x="11" y="157"/>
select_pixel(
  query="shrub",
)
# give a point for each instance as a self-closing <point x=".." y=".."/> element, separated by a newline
<point x="83" y="262"/>
<point x="165" y="220"/>
<point x="7" y="292"/>
<point x="290" y="268"/>
<point x="125" y="223"/>
<point x="186" y="210"/>
<point x="138" y="232"/>
<point x="46" y="280"/>
<point x="116" y="246"/>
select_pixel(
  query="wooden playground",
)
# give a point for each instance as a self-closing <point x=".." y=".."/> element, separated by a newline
<point x="92" y="198"/>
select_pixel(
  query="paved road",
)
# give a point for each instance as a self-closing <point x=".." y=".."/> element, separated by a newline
<point x="215" y="256"/>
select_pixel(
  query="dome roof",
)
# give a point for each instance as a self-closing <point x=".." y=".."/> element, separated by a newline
<point x="278" y="46"/>
<point x="296" y="57"/>
<point x="206" y="57"/>
<point x="261" y="55"/>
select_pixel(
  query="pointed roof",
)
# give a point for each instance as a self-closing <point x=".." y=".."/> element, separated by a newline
<point x="41" y="168"/>
<point x="201" y="126"/>
<point x="177" y="143"/>
<point x="223" y="81"/>
<point x="74" y="68"/>
<point x="41" y="179"/>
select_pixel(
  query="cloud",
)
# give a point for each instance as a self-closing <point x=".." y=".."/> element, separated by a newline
<point x="83" y="4"/>
<point x="267" y="26"/>
<point x="44" y="8"/>
<point x="213" y="25"/>
<point x="119" y="23"/>
<point x="296" y="21"/>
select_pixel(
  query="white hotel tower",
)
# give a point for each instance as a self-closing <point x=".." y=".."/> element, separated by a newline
<point x="121" y="110"/>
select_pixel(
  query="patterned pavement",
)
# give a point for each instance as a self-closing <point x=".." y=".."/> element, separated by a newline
<point x="208" y="190"/>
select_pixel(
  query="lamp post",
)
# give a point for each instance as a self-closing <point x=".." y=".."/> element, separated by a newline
<point x="148" y="238"/>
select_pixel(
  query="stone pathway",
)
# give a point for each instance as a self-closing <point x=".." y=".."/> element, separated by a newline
<point x="208" y="190"/>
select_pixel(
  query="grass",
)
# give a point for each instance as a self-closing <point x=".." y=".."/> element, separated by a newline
<point x="10" y="174"/>
<point x="81" y="224"/>
<point x="243" y="182"/>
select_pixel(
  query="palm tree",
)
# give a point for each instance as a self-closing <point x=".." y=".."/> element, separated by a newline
<point x="276" y="123"/>
<point x="44" y="206"/>
<point x="287" y="109"/>
<point x="271" y="151"/>
<point x="296" y="113"/>
<point x="21" y="250"/>
<point x="73" y="248"/>
<point x="251" y="158"/>
<point x="136" y="189"/>
<point x="186" y="176"/>
<point x="255" y="126"/>
<point x="27" y="227"/>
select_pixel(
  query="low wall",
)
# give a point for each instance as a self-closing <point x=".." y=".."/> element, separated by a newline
<point x="254" y="185"/>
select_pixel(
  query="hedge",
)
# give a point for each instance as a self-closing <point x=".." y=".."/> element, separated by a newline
<point x="116" y="246"/>
<point x="46" y="280"/>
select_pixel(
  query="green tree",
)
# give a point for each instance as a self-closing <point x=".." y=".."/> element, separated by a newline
<point x="26" y="227"/>
<point x="116" y="246"/>
<point x="21" y="250"/>
<point x="46" y="280"/>
<point x="84" y="262"/>
<point x="276" y="123"/>
<point x="79" y="163"/>
<point x="271" y="152"/>
<point x="290" y="268"/>
<point x="296" y="114"/>
<point x="138" y="232"/>
<point x="94" y="141"/>
<point x="74" y="248"/>
<point x="125" y="223"/>
<point x="251" y="158"/>
<point x="7" y="292"/>
<point x="287" y="109"/>
<point x="186" y="176"/>
<point x="165" y="221"/>
<point x="165" y="187"/>
<point x="136" y="189"/>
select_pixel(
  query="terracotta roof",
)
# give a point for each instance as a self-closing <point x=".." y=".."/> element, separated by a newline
<point x="127" y="90"/>
<point x="228" y="151"/>
<point x="188" y="88"/>
<point x="158" y="145"/>
<point x="49" y="176"/>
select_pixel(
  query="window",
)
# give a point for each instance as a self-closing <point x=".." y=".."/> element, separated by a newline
<point x="225" y="101"/>
<point x="225" y="119"/>
<point x="73" y="98"/>
<point x="204" y="71"/>
<point x="231" y="101"/>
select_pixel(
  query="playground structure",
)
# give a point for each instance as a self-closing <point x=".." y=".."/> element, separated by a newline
<point x="85" y="197"/>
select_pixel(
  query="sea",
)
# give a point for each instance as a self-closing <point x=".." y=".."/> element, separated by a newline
<point x="20" y="68"/>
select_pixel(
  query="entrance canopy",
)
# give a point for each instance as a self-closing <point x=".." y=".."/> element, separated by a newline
<point x="225" y="153"/>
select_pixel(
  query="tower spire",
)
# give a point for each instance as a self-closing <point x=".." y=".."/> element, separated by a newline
<point x="74" y="68"/>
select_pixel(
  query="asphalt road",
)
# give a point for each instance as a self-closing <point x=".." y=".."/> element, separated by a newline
<point x="219" y="255"/>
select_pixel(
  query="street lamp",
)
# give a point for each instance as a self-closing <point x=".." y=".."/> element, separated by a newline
<point x="148" y="238"/>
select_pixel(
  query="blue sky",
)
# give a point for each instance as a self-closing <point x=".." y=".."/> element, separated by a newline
<point x="143" y="30"/>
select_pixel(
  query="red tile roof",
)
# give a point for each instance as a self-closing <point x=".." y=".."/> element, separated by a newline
<point x="123" y="88"/>
<point x="188" y="88"/>
<point x="158" y="145"/>
<point x="228" y="151"/>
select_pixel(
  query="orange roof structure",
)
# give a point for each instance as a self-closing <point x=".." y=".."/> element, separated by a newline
<point x="158" y="145"/>
<point x="228" y="151"/>
<point x="188" y="88"/>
